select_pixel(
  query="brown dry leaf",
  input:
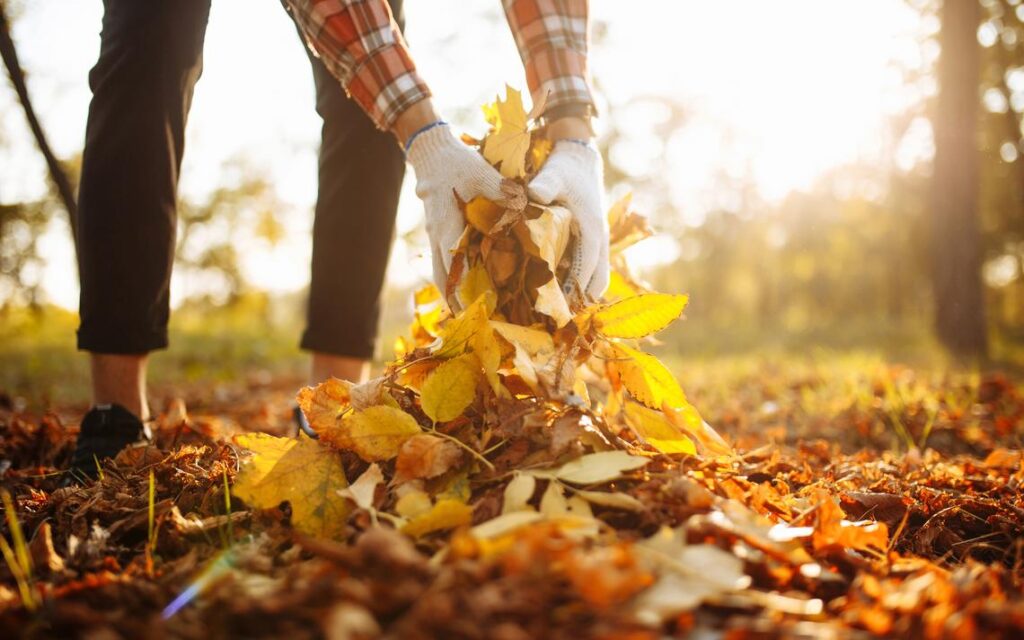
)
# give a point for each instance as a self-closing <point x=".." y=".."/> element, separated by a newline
<point x="302" y="473"/>
<point x="373" y="434"/>
<point x="325" y="403"/>
<point x="832" y="528"/>
<point x="426" y="456"/>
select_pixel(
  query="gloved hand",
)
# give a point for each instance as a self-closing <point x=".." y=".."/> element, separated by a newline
<point x="445" y="166"/>
<point x="573" y="177"/>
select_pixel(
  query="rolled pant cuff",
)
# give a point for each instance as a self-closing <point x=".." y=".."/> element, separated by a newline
<point x="335" y="344"/>
<point x="122" y="343"/>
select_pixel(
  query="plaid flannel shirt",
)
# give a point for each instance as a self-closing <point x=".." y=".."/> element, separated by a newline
<point x="362" y="46"/>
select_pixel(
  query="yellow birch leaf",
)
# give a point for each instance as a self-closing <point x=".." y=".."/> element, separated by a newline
<point x="446" y="514"/>
<point x="449" y="389"/>
<point x="302" y="472"/>
<point x="688" y="419"/>
<point x="373" y="434"/>
<point x="457" y="333"/>
<point x="618" y="287"/>
<point x="482" y="214"/>
<point x="475" y="283"/>
<point x="324" y="404"/>
<point x="646" y="378"/>
<point x="413" y="503"/>
<point x="639" y="316"/>
<point x="488" y="352"/>
<point x="552" y="303"/>
<point x="507" y="144"/>
<point x="657" y="430"/>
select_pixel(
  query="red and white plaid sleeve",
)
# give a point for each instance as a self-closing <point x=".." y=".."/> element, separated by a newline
<point x="362" y="46"/>
<point x="552" y="36"/>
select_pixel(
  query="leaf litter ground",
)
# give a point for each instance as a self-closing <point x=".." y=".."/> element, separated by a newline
<point x="525" y="469"/>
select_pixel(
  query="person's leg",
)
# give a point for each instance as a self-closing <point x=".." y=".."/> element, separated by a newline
<point x="150" y="59"/>
<point x="361" y="170"/>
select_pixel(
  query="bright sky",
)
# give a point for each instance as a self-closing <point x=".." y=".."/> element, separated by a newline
<point x="781" y="91"/>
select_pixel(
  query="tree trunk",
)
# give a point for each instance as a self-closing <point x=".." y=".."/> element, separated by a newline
<point x="956" y="239"/>
<point x="57" y="174"/>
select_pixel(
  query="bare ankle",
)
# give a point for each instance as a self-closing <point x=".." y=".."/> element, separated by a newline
<point x="120" y="379"/>
<point x="327" y="365"/>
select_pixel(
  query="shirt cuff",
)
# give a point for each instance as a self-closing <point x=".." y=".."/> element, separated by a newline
<point x="385" y="84"/>
<point x="561" y="75"/>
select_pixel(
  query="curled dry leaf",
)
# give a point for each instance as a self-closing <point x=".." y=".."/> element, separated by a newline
<point x="599" y="467"/>
<point x="426" y="456"/>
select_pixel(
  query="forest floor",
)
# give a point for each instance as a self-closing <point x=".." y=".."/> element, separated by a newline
<point x="863" y="500"/>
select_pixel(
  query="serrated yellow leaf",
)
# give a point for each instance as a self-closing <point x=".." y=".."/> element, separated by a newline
<point x="449" y="389"/>
<point x="324" y="404"/>
<point x="302" y="472"/>
<point x="657" y="430"/>
<point x="688" y="419"/>
<point x="475" y="283"/>
<point x="646" y="378"/>
<point x="509" y="140"/>
<point x="374" y="434"/>
<point x="618" y="287"/>
<point x="639" y="316"/>
<point x="458" y="332"/>
<point x="446" y="514"/>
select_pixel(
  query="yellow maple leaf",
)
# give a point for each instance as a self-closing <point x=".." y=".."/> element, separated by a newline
<point x="640" y="315"/>
<point x="450" y="389"/>
<point x="657" y="430"/>
<point x="374" y="434"/>
<point x="646" y="378"/>
<point x="446" y="514"/>
<point x="324" y="404"/>
<point x="302" y="472"/>
<point x="509" y="140"/>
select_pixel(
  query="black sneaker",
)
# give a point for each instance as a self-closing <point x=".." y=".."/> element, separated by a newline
<point x="105" y="431"/>
<point x="303" y="424"/>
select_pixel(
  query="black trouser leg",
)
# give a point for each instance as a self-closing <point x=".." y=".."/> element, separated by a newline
<point x="361" y="172"/>
<point x="150" y="59"/>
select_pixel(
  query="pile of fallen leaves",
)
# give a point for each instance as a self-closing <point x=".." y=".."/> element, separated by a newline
<point x="523" y="469"/>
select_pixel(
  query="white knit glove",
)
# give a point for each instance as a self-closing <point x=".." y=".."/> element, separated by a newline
<point x="573" y="176"/>
<point x="445" y="166"/>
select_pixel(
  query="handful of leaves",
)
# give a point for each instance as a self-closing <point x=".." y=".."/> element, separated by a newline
<point x="520" y="385"/>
